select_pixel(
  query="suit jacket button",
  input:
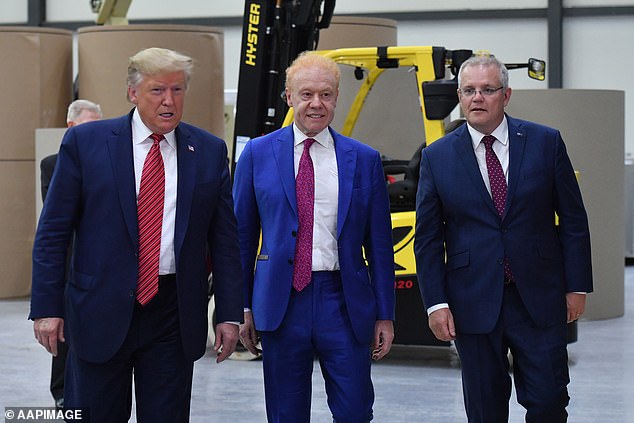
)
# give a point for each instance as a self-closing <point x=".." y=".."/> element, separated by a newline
<point x="131" y="293"/>
<point x="290" y="261"/>
<point x="294" y="233"/>
<point x="500" y="261"/>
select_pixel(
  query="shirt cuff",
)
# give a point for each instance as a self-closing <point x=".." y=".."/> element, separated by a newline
<point x="431" y="309"/>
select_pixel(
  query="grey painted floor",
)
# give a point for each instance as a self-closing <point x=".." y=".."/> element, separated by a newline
<point x="414" y="385"/>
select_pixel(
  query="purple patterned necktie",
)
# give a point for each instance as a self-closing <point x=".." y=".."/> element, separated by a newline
<point x="150" y="216"/>
<point x="496" y="175"/>
<point x="498" y="188"/>
<point x="305" y="192"/>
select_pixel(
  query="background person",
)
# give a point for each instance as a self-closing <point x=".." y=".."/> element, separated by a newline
<point x="319" y="198"/>
<point x="79" y="111"/>
<point x="146" y="196"/>
<point x="511" y="280"/>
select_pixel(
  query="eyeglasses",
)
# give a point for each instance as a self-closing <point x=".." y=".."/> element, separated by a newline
<point x="486" y="92"/>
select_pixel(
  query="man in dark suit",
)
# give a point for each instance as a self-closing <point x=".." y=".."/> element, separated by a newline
<point x="79" y="111"/>
<point x="496" y="272"/>
<point x="320" y="201"/>
<point x="148" y="198"/>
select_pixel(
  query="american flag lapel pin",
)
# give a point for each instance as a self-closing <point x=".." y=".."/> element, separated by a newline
<point x="190" y="147"/>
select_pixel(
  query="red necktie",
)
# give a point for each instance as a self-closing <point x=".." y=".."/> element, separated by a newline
<point x="305" y="192"/>
<point x="150" y="215"/>
<point x="498" y="188"/>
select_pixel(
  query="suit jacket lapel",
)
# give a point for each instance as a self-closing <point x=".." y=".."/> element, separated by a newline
<point x="517" y="140"/>
<point x="346" y="166"/>
<point x="283" y="152"/>
<point x="186" y="162"/>
<point x="122" y="161"/>
<point x="464" y="147"/>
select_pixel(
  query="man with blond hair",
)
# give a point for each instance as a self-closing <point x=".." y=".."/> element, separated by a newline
<point x="147" y="199"/>
<point x="320" y="200"/>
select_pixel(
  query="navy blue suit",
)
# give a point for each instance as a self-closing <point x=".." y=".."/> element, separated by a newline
<point x="264" y="195"/>
<point x="92" y="195"/>
<point x="461" y="243"/>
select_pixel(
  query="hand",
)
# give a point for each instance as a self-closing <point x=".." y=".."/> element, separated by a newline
<point x="383" y="337"/>
<point x="576" y="305"/>
<point x="48" y="331"/>
<point x="442" y="325"/>
<point x="248" y="334"/>
<point x="226" y="340"/>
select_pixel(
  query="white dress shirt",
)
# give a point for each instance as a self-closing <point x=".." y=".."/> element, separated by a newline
<point x="322" y="153"/>
<point x="141" y="143"/>
<point x="500" y="148"/>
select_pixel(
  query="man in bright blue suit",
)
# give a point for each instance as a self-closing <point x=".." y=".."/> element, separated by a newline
<point x="496" y="273"/>
<point x="118" y="327"/>
<point x="344" y="308"/>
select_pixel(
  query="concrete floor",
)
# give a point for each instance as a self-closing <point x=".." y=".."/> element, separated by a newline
<point x="413" y="385"/>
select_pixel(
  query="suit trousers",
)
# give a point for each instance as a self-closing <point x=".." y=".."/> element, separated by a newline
<point x="540" y="367"/>
<point x="58" y="367"/>
<point x="316" y="324"/>
<point x="153" y="353"/>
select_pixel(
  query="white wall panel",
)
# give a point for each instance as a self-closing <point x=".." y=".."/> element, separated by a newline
<point x="491" y="35"/>
<point x="598" y="54"/>
<point x="233" y="39"/>
<point x="150" y="9"/>
<point x="14" y="12"/>
<point x="79" y="10"/>
<point x="361" y="6"/>
<point x="68" y="10"/>
<point x="597" y="3"/>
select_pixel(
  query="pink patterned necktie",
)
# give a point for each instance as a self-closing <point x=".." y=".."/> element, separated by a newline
<point x="498" y="188"/>
<point x="150" y="218"/>
<point x="305" y="192"/>
<point x="496" y="175"/>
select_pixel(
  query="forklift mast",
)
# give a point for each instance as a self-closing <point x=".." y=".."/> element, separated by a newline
<point x="274" y="33"/>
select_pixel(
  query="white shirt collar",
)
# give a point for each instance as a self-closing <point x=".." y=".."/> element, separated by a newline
<point x="501" y="133"/>
<point x="324" y="137"/>
<point x="140" y="132"/>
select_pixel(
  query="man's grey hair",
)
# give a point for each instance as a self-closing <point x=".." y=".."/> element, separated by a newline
<point x="486" y="60"/>
<point x="78" y="106"/>
<point x="155" y="61"/>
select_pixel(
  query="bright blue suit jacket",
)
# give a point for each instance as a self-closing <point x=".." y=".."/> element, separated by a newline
<point x="461" y="240"/>
<point x="264" y="196"/>
<point x="92" y="195"/>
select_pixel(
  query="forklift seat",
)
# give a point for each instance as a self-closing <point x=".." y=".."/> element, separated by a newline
<point x="402" y="192"/>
